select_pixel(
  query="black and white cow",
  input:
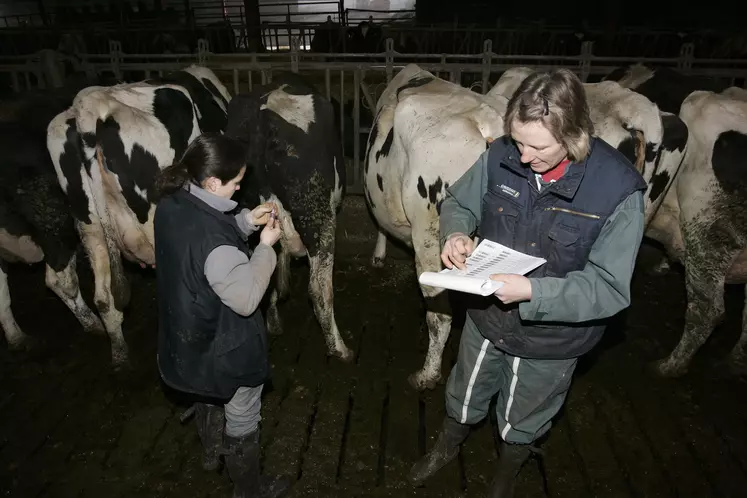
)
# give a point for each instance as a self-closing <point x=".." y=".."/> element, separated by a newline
<point x="295" y="160"/>
<point x="107" y="149"/>
<point x="428" y="132"/>
<point x="35" y="222"/>
<point x="702" y="222"/>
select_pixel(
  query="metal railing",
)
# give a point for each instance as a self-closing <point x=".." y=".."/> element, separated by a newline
<point x="361" y="77"/>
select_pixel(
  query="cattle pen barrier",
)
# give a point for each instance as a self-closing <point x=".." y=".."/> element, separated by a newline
<point x="354" y="76"/>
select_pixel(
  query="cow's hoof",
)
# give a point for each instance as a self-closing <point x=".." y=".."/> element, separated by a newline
<point x="23" y="343"/>
<point x="377" y="262"/>
<point x="666" y="369"/>
<point x="420" y="383"/>
<point x="345" y="354"/>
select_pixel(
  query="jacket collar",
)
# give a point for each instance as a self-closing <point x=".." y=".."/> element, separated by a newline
<point x="214" y="201"/>
<point x="211" y="204"/>
<point x="565" y="187"/>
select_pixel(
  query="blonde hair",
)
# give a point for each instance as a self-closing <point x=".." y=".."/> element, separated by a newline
<point x="558" y="100"/>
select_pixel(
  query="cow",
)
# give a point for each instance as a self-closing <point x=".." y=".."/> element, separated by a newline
<point x="427" y="132"/>
<point x="701" y="222"/>
<point x="295" y="160"/>
<point x="107" y="149"/>
<point x="35" y="222"/>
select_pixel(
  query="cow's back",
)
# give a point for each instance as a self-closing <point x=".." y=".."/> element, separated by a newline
<point x="714" y="164"/>
<point x="294" y="153"/>
<point x="427" y="133"/>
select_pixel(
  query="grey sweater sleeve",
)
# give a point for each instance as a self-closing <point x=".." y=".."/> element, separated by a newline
<point x="242" y="220"/>
<point x="240" y="282"/>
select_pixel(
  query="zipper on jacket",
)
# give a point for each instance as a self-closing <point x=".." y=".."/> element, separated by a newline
<point x="570" y="211"/>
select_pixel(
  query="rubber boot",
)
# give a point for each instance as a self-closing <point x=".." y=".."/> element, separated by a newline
<point x="445" y="450"/>
<point x="242" y="462"/>
<point x="510" y="460"/>
<point x="210" y="422"/>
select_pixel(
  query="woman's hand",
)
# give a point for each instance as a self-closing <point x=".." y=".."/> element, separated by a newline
<point x="456" y="250"/>
<point x="271" y="232"/>
<point x="260" y="215"/>
<point x="516" y="288"/>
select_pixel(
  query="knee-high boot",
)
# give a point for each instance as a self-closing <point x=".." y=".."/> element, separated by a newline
<point x="510" y="460"/>
<point x="210" y="421"/>
<point x="445" y="450"/>
<point x="242" y="462"/>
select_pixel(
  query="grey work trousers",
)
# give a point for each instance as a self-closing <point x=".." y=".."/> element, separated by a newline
<point x="531" y="391"/>
<point x="242" y="412"/>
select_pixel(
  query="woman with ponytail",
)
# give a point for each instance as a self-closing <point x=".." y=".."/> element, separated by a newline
<point x="212" y="342"/>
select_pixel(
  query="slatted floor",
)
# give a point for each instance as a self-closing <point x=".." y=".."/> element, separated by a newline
<point x="70" y="429"/>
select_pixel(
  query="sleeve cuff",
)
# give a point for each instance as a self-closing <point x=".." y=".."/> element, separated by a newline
<point x="242" y="220"/>
<point x="532" y="309"/>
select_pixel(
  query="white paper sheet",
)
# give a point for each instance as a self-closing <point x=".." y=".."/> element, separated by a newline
<point x="487" y="259"/>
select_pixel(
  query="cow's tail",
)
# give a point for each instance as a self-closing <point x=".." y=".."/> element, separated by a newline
<point x="97" y="179"/>
<point x="80" y="178"/>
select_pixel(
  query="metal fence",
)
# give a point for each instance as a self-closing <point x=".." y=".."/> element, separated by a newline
<point x="357" y="77"/>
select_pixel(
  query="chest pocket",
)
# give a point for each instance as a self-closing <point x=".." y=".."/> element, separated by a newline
<point x="499" y="218"/>
<point x="569" y="247"/>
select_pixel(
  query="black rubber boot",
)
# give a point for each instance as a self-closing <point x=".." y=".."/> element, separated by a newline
<point x="510" y="460"/>
<point x="210" y="422"/>
<point x="242" y="462"/>
<point x="445" y="450"/>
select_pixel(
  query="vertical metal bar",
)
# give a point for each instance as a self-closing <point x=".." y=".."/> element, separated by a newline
<point x="356" y="128"/>
<point x="235" y="81"/>
<point x="342" y="110"/>
<point x="264" y="77"/>
<point x="249" y="77"/>
<point x="328" y="83"/>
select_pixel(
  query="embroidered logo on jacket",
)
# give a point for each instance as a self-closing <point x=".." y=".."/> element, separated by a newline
<point x="509" y="191"/>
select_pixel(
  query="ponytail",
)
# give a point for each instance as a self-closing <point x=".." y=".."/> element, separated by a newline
<point x="171" y="179"/>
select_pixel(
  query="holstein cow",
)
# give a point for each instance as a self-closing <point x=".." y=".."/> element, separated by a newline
<point x="702" y="222"/>
<point x="35" y="222"/>
<point x="295" y="160"/>
<point x="107" y="149"/>
<point x="428" y="132"/>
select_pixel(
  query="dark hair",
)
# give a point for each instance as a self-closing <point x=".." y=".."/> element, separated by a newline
<point x="210" y="154"/>
<point x="556" y="98"/>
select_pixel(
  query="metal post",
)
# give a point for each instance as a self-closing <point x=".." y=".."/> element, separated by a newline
<point x="342" y="109"/>
<point x="356" y="126"/>
<point x="295" y="48"/>
<point x="235" y="81"/>
<point x="587" y="49"/>
<point x="203" y="49"/>
<point x="685" y="61"/>
<point x="328" y="83"/>
<point x="487" y="62"/>
<point x="389" y="59"/>
<point x="115" y="58"/>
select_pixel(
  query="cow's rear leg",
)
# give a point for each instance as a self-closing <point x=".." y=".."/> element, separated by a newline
<point x="438" y="311"/>
<point x="65" y="285"/>
<point x="16" y="339"/>
<point x="377" y="260"/>
<point x="704" y="279"/>
<point x="738" y="357"/>
<point x="322" y="293"/>
<point x="111" y="291"/>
